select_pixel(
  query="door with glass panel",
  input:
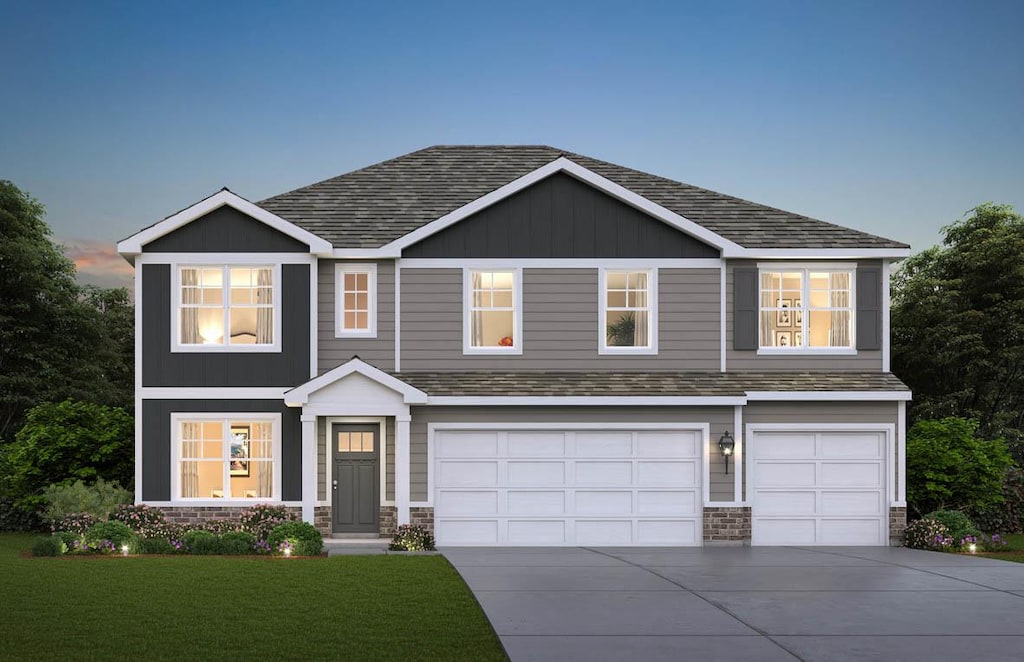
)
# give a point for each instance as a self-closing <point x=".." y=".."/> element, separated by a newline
<point x="356" y="477"/>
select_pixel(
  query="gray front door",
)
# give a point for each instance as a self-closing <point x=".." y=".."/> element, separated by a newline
<point x="356" y="477"/>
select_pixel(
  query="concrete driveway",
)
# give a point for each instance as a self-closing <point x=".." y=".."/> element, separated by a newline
<point x="752" y="603"/>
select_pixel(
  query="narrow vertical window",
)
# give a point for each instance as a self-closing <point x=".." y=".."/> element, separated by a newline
<point x="356" y="300"/>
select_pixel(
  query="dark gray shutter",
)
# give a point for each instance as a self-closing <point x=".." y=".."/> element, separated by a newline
<point x="869" y="308"/>
<point x="744" y="308"/>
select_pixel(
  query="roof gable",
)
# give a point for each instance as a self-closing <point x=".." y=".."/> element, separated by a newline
<point x="135" y="244"/>
<point x="560" y="216"/>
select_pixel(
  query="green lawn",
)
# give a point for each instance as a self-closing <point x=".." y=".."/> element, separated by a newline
<point x="219" y="608"/>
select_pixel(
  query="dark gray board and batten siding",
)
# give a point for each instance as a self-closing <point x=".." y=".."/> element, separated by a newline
<point x="225" y="230"/>
<point x="741" y="322"/>
<point x="561" y="323"/>
<point x="162" y="367"/>
<point x="156" y="441"/>
<point x="560" y="217"/>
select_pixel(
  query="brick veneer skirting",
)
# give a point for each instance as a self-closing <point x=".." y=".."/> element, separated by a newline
<point x="322" y="520"/>
<point x="422" y="517"/>
<point x="727" y="525"/>
<point x="386" y="520"/>
<point x="897" y="525"/>
<point x="200" y="514"/>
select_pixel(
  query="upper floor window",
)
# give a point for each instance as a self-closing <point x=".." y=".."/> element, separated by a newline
<point x="226" y="457"/>
<point x="628" y="313"/>
<point x="356" y="305"/>
<point x="810" y="309"/>
<point x="493" y="312"/>
<point x="228" y="307"/>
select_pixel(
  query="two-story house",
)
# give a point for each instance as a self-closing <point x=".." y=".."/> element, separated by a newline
<point x="520" y="346"/>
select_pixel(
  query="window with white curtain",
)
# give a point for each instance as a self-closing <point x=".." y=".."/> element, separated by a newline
<point x="227" y="457"/>
<point x="227" y="307"/>
<point x="628" y="321"/>
<point x="809" y="309"/>
<point x="493" y="312"/>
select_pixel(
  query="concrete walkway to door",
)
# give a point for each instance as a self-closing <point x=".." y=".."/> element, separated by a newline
<point x="751" y="603"/>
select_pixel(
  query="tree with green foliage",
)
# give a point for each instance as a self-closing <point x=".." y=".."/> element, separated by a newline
<point x="950" y="468"/>
<point x="958" y="324"/>
<point x="68" y="441"/>
<point x="57" y="340"/>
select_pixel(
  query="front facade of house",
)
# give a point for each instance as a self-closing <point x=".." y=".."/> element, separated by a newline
<point x="520" y="346"/>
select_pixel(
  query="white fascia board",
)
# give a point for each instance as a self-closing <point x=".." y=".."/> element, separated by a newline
<point x="817" y="253"/>
<point x="562" y="164"/>
<point x="212" y="393"/>
<point x="299" y="395"/>
<point x="831" y="396"/>
<point x="133" y="245"/>
<point x="583" y="400"/>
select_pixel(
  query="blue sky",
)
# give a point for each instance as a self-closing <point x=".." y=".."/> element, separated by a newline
<point x="892" y="117"/>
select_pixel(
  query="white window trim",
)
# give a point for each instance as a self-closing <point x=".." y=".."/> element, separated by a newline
<point x="178" y="347"/>
<point x="652" y="315"/>
<point x="177" y="418"/>
<point x="340" y="269"/>
<point x="805" y="268"/>
<point x="517" y="315"/>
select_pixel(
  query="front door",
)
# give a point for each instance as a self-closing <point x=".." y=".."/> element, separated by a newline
<point x="356" y="477"/>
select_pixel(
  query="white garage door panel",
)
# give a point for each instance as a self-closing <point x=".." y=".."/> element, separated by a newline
<point x="819" y="487"/>
<point x="567" y="487"/>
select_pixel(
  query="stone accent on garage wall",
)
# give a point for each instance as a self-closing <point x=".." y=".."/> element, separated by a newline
<point x="386" y="520"/>
<point x="897" y="525"/>
<point x="422" y="516"/>
<point x="726" y="525"/>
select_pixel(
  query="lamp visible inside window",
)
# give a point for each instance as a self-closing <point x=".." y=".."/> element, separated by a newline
<point x="726" y="444"/>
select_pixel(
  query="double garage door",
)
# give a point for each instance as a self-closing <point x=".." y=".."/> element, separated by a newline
<point x="567" y="486"/>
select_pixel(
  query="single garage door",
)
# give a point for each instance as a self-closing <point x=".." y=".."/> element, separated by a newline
<point x="567" y="487"/>
<point x="819" y="488"/>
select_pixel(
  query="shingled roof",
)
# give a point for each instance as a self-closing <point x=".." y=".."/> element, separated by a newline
<point x="513" y="384"/>
<point x="373" y="206"/>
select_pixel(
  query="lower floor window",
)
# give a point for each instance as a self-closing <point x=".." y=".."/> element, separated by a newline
<point x="227" y="458"/>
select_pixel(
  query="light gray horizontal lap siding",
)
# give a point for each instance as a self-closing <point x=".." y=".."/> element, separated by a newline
<point x="719" y="419"/>
<point x="560" y="323"/>
<point x="862" y="361"/>
<point x="332" y="351"/>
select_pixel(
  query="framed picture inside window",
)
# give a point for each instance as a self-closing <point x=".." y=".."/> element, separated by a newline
<point x="783" y="338"/>
<point x="239" y="450"/>
<point x="784" y="316"/>
<point x="798" y="339"/>
<point x="798" y="313"/>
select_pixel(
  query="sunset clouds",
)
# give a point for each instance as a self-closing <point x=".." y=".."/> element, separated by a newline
<point x="98" y="262"/>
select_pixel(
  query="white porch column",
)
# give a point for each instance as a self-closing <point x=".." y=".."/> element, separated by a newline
<point x="402" y="476"/>
<point x="901" y="453"/>
<point x="308" y="467"/>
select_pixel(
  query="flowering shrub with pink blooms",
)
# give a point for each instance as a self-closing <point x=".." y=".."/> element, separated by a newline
<point x="928" y="534"/>
<point x="74" y="523"/>
<point x="410" y="538"/>
<point x="262" y="518"/>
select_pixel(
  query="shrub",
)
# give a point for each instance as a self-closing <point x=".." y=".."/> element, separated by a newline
<point x="950" y="468"/>
<point x="261" y="519"/>
<point x="69" y="538"/>
<point x="83" y="546"/>
<point x="14" y="517"/>
<point x="238" y="542"/>
<point x="409" y="538"/>
<point x="219" y="526"/>
<point x="301" y="537"/>
<point x="77" y="523"/>
<point x="1008" y="516"/>
<point x="117" y="533"/>
<point x="139" y="518"/>
<point x="99" y="499"/>
<point x="140" y="545"/>
<point x="928" y="534"/>
<point x="202" y="542"/>
<point x="959" y="525"/>
<point x="48" y="546"/>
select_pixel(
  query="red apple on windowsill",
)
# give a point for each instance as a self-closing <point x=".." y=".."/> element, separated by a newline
<point x="505" y="342"/>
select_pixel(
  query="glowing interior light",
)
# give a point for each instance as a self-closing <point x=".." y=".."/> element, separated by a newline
<point x="211" y="333"/>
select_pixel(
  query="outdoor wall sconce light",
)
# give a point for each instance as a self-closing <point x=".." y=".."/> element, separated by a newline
<point x="726" y="444"/>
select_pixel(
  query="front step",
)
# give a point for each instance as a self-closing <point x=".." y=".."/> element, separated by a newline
<point x="356" y="536"/>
